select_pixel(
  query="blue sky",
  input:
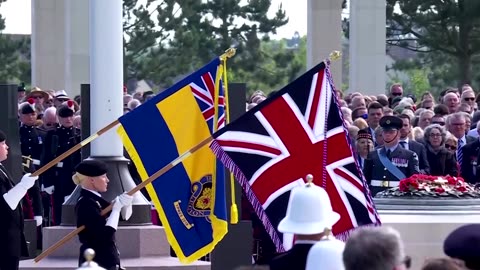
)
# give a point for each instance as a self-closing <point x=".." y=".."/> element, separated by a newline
<point x="18" y="19"/>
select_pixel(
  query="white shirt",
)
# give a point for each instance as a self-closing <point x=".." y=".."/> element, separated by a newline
<point x="473" y="133"/>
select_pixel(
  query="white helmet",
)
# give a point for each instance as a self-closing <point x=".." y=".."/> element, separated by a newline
<point x="326" y="255"/>
<point x="309" y="211"/>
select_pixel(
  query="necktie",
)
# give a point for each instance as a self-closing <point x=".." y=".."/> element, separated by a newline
<point x="389" y="153"/>
<point x="403" y="144"/>
<point x="460" y="152"/>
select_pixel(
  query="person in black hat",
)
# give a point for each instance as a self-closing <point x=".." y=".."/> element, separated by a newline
<point x="99" y="234"/>
<point x="57" y="180"/>
<point x="21" y="92"/>
<point x="464" y="244"/>
<point x="389" y="164"/>
<point x="364" y="145"/>
<point x="31" y="146"/>
<point x="12" y="239"/>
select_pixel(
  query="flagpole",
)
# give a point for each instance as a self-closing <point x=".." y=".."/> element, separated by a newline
<point x="70" y="151"/>
<point x="229" y="53"/>
<point x="154" y="176"/>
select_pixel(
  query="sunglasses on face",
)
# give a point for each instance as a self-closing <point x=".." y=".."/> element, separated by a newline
<point x="451" y="147"/>
<point x="469" y="99"/>
<point x="439" y="123"/>
<point x="396" y="94"/>
<point x="433" y="135"/>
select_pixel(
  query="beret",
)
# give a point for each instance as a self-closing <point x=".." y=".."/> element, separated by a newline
<point x="27" y="107"/>
<point x="3" y="137"/>
<point x="91" y="168"/>
<point x="464" y="244"/>
<point x="67" y="109"/>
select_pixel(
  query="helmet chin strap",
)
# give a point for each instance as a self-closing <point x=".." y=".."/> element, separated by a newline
<point x="393" y="138"/>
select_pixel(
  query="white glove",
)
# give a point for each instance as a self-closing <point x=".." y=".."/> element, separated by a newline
<point x="15" y="195"/>
<point x="28" y="181"/>
<point x="38" y="220"/>
<point x="126" y="212"/>
<point x="126" y="200"/>
<point x="49" y="190"/>
<point x="112" y="220"/>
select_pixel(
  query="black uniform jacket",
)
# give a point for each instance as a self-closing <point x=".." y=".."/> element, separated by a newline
<point x="12" y="239"/>
<point x="31" y="144"/>
<point x="405" y="160"/>
<point x="58" y="141"/>
<point x="295" y="258"/>
<point x="96" y="235"/>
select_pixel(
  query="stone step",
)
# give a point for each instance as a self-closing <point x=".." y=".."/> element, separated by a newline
<point x="132" y="241"/>
<point x="144" y="263"/>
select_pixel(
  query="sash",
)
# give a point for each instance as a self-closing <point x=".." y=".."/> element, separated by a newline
<point x="389" y="165"/>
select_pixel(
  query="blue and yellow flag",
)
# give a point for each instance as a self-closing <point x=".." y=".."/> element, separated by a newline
<point x="190" y="197"/>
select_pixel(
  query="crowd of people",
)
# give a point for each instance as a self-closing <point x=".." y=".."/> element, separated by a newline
<point x="436" y="136"/>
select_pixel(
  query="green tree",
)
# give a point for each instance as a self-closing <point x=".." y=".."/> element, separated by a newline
<point x="13" y="66"/>
<point x="192" y="32"/>
<point x="447" y="29"/>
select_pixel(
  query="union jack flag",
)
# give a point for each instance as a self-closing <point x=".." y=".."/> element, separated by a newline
<point x="203" y="88"/>
<point x="298" y="131"/>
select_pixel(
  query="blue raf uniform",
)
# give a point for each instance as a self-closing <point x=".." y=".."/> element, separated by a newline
<point x="385" y="167"/>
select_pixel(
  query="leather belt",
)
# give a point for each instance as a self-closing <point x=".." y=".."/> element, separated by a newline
<point x="381" y="183"/>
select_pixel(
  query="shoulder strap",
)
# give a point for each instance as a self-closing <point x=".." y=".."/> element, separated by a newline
<point x="389" y="165"/>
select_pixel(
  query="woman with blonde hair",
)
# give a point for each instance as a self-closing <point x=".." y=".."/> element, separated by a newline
<point x="99" y="233"/>
<point x="360" y="123"/>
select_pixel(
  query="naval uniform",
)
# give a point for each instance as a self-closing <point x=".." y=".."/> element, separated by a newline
<point x="295" y="258"/>
<point x="58" y="141"/>
<point x="96" y="235"/>
<point x="31" y="145"/>
<point x="378" y="177"/>
<point x="12" y="239"/>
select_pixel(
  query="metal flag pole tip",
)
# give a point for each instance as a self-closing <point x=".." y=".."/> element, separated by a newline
<point x="229" y="53"/>
<point x="335" y="55"/>
<point x="309" y="179"/>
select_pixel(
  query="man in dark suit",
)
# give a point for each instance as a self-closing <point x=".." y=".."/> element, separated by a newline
<point x="412" y="145"/>
<point x="457" y="125"/>
<point x="12" y="239"/>
<point x="308" y="224"/>
<point x="470" y="167"/>
<point x="386" y="166"/>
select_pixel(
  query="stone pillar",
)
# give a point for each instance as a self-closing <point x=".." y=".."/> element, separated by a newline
<point x="48" y="43"/>
<point x="324" y="34"/>
<point x="367" y="46"/>
<point x="60" y="56"/>
<point x="106" y="100"/>
<point x="77" y="58"/>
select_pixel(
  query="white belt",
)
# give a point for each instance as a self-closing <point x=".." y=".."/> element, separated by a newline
<point x="380" y="183"/>
<point x="60" y="164"/>
<point x="36" y="162"/>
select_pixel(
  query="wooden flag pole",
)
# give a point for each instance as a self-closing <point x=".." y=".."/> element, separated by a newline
<point x="229" y="53"/>
<point x="154" y="176"/>
<point x="70" y="151"/>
